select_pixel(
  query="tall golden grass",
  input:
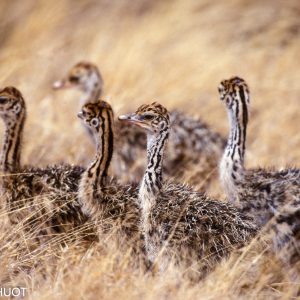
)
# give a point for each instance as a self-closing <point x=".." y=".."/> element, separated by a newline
<point x="175" y="52"/>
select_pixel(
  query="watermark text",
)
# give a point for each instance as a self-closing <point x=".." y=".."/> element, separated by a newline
<point x="12" y="292"/>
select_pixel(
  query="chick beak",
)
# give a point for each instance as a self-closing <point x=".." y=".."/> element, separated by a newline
<point x="133" y="119"/>
<point x="128" y="118"/>
<point x="80" y="115"/>
<point x="61" y="84"/>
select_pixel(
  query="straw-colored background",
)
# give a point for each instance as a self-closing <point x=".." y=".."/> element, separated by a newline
<point x="175" y="52"/>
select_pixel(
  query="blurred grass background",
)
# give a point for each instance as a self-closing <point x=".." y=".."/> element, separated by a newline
<point x="175" y="52"/>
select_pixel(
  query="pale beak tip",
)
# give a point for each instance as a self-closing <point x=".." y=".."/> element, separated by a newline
<point x="123" y="117"/>
<point x="57" y="85"/>
<point x="80" y="115"/>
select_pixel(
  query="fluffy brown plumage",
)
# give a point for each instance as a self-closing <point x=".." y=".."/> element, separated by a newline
<point x="264" y="194"/>
<point x="112" y="206"/>
<point x="42" y="199"/>
<point x="193" y="150"/>
<point x="259" y="192"/>
<point x="179" y="223"/>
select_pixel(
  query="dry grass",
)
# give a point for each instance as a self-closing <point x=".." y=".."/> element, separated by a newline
<point x="175" y="52"/>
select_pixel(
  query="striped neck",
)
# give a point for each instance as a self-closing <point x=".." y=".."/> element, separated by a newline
<point x="94" y="178"/>
<point x="152" y="180"/>
<point x="11" y="148"/>
<point x="232" y="169"/>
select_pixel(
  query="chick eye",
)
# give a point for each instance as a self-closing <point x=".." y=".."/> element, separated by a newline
<point x="94" y="122"/>
<point x="148" y="117"/>
<point x="3" y="100"/>
<point x="74" y="78"/>
<point x="17" y="108"/>
<point x="227" y="99"/>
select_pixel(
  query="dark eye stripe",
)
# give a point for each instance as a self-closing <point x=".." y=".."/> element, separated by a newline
<point x="3" y="100"/>
<point x="148" y="117"/>
<point x="74" y="78"/>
